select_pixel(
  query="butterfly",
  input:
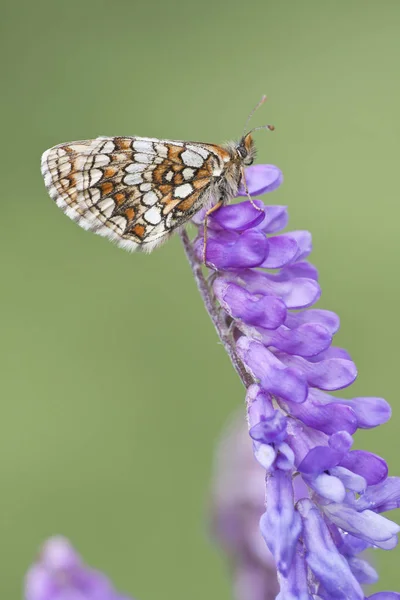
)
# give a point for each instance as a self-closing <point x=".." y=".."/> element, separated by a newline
<point x="137" y="191"/>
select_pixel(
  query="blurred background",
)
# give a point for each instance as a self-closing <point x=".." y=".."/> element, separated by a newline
<point x="114" y="387"/>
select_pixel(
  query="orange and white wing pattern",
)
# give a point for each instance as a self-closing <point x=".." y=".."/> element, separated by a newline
<point x="135" y="191"/>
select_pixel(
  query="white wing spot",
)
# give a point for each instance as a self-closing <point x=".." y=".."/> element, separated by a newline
<point x="106" y="206"/>
<point x="135" y="168"/>
<point x="149" y="199"/>
<point x="101" y="160"/>
<point x="199" y="149"/>
<point x="145" y="187"/>
<point x="108" y="147"/>
<point x="132" y="179"/>
<point x="85" y="179"/>
<point x="143" y="158"/>
<point x="94" y="176"/>
<point x="192" y="159"/>
<point x="183" y="191"/>
<point x="161" y="150"/>
<point x="188" y="173"/>
<point x="170" y="175"/>
<point x="153" y="215"/>
<point x="79" y="162"/>
<point x="143" y="146"/>
<point x="64" y="168"/>
<point x="80" y="148"/>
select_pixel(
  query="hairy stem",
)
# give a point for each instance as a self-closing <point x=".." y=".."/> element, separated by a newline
<point x="208" y="299"/>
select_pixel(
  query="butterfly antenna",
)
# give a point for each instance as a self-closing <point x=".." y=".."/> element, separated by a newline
<point x="270" y="127"/>
<point x="263" y="99"/>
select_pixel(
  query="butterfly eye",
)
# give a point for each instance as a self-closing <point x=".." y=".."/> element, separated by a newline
<point x="242" y="152"/>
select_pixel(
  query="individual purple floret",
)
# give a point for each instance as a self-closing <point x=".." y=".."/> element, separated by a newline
<point x="60" y="574"/>
<point x="258" y="292"/>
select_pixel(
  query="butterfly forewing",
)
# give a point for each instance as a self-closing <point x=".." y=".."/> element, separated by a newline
<point x="135" y="191"/>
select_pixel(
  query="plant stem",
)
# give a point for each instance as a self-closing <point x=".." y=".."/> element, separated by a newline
<point x="208" y="299"/>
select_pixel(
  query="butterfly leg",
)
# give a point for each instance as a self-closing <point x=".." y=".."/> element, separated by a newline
<point x="208" y="213"/>
<point x="246" y="189"/>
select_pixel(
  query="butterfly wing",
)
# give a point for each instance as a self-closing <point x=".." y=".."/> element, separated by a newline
<point x="135" y="191"/>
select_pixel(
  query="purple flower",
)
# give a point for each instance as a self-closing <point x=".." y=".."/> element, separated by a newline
<point x="237" y="503"/>
<point x="259" y="292"/>
<point x="60" y="574"/>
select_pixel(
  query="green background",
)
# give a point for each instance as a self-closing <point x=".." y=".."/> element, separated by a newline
<point x="113" y="385"/>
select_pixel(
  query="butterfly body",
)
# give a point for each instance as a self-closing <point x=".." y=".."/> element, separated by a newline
<point x="138" y="191"/>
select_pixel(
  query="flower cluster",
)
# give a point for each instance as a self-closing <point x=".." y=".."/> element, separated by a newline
<point x="323" y="500"/>
<point x="60" y="574"/>
<point x="258" y="293"/>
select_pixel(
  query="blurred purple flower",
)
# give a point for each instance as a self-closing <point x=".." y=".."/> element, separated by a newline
<point x="60" y="574"/>
<point x="237" y="503"/>
<point x="299" y="432"/>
